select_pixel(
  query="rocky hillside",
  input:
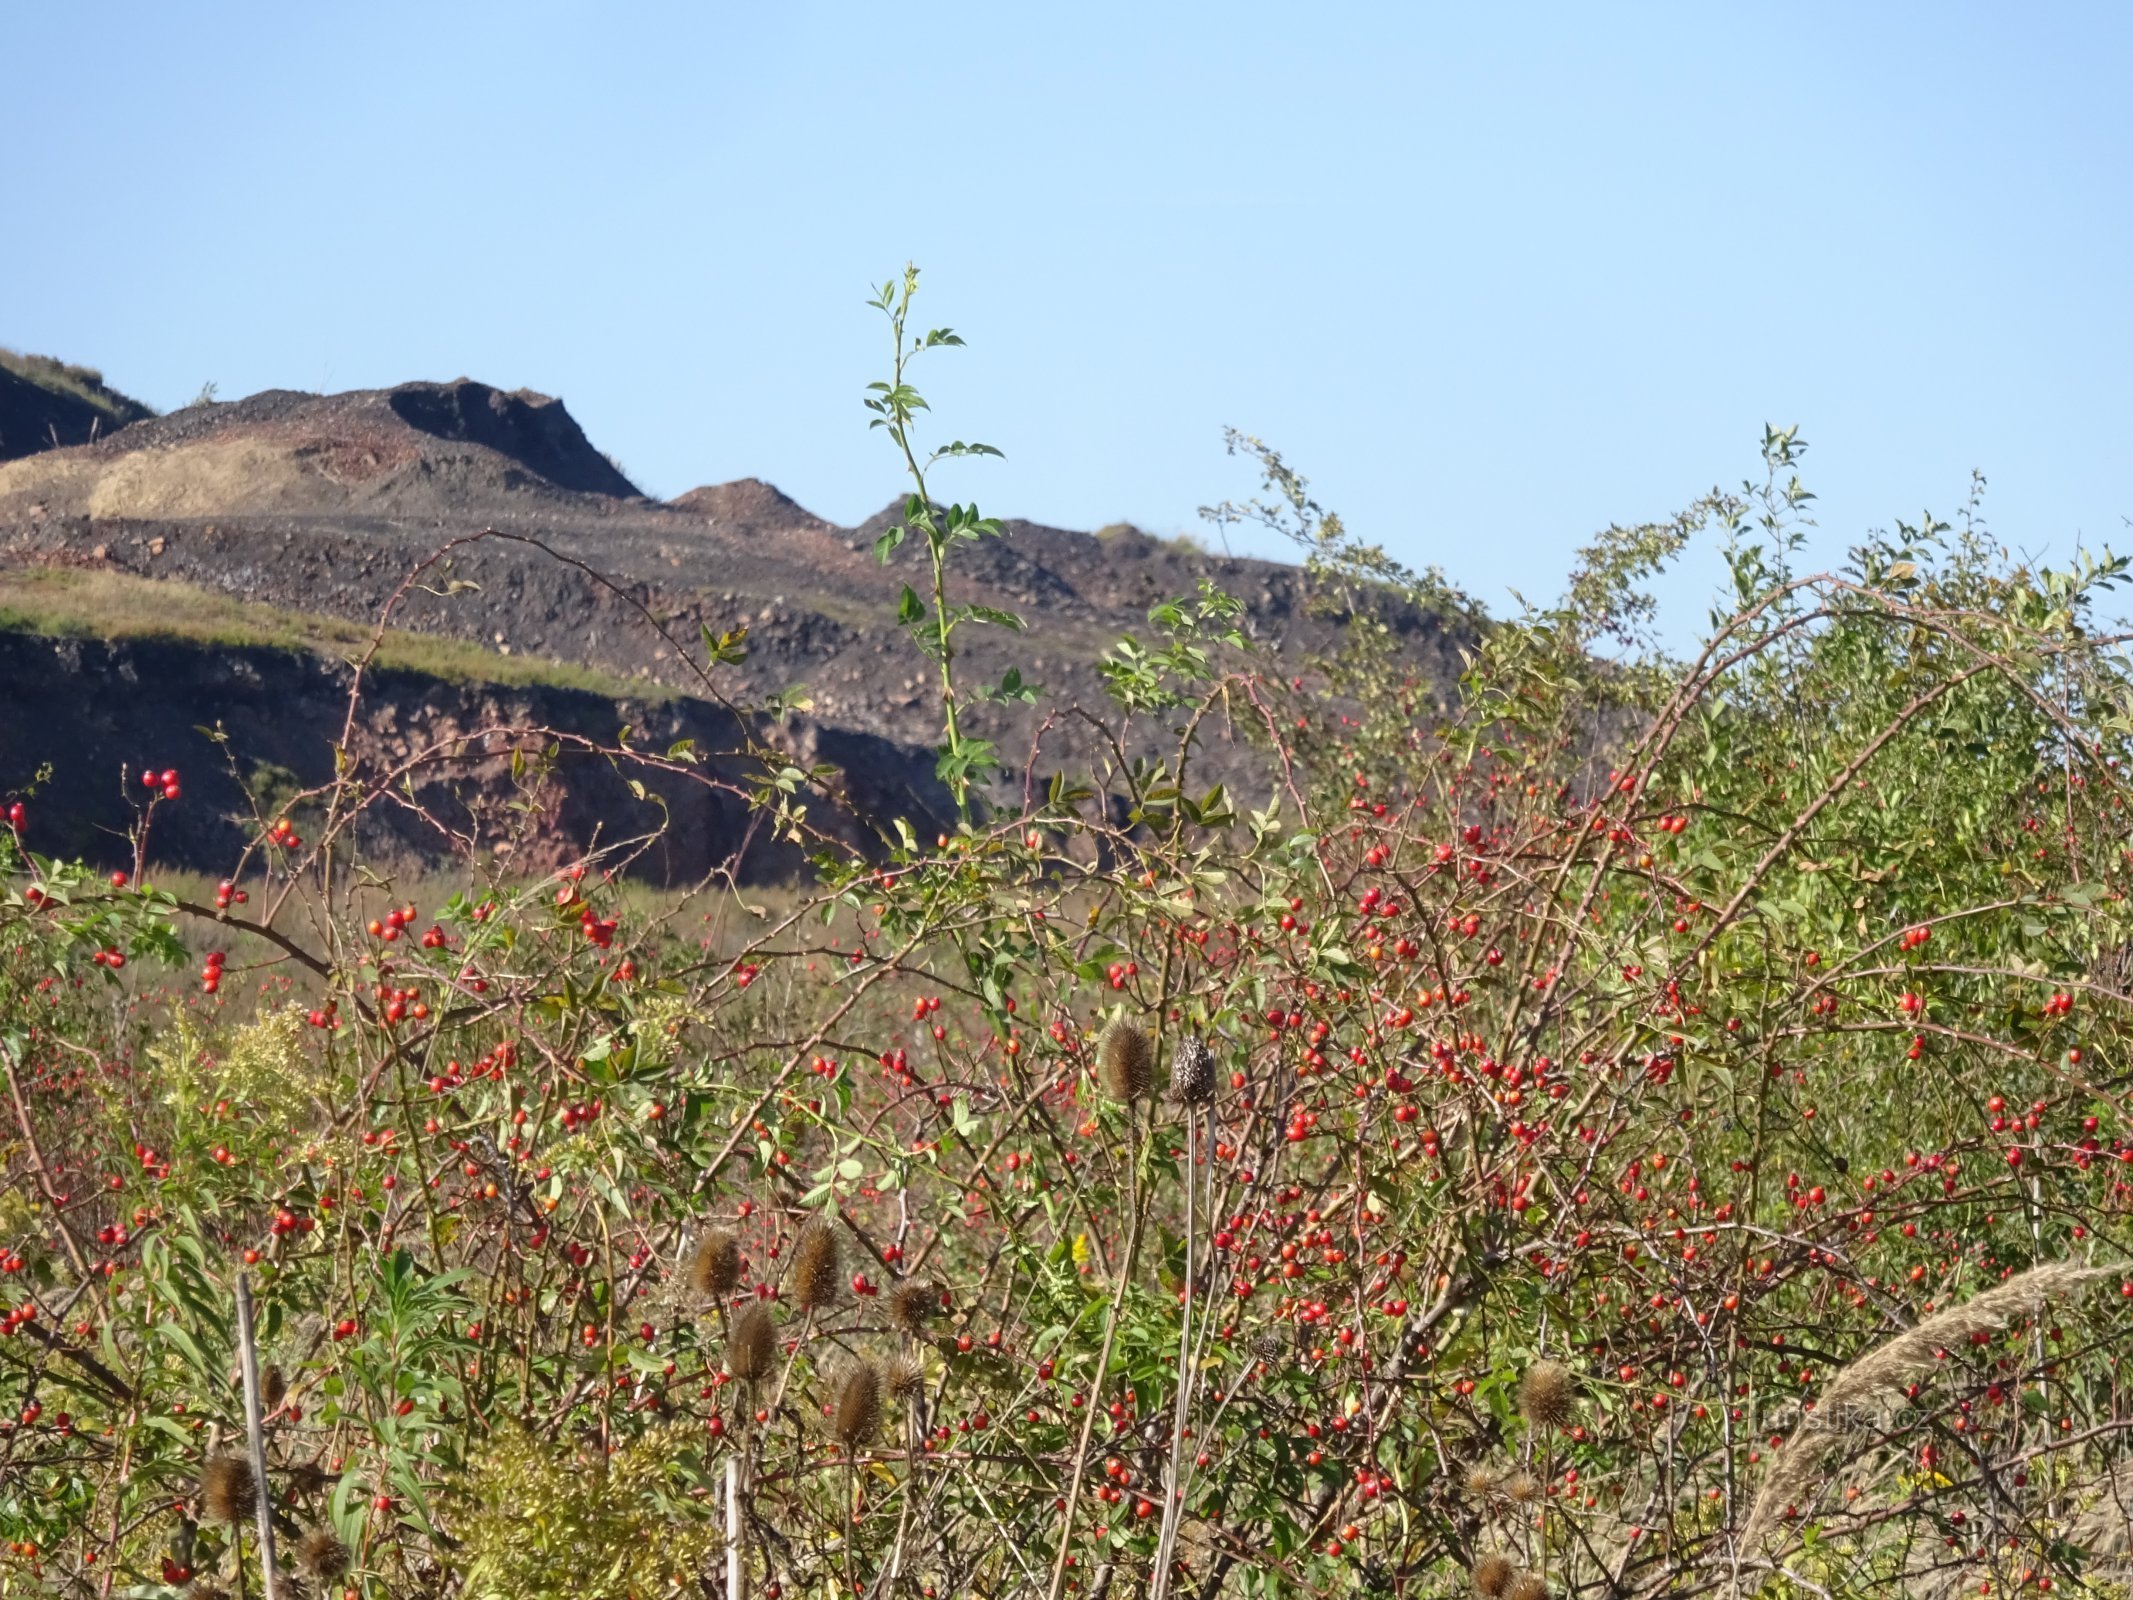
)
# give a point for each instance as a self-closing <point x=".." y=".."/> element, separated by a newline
<point x="47" y="404"/>
<point x="327" y="504"/>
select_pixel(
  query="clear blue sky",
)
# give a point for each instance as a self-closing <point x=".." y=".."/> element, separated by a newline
<point x="1492" y="276"/>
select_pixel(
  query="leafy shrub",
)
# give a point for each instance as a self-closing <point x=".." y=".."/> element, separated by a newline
<point x="1465" y="1166"/>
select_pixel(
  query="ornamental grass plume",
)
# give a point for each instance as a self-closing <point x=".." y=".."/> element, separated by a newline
<point x="715" y="1269"/>
<point x="1886" y="1369"/>
<point x="1492" y="1575"/>
<point x="751" y="1344"/>
<point x="321" y="1556"/>
<point x="1547" y="1396"/>
<point x="858" y="1405"/>
<point x="1125" y="1062"/>
<point x="912" y="1304"/>
<point x="228" y="1491"/>
<point x="817" y="1267"/>
<point x="1192" y="1073"/>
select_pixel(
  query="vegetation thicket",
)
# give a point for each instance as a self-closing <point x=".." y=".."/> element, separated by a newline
<point x="1643" y="1126"/>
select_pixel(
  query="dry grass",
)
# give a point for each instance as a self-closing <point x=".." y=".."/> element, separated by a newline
<point x="73" y="604"/>
<point x="1883" y="1372"/>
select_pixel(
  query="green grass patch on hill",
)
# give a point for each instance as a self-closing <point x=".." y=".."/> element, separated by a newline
<point x="85" y="384"/>
<point x="70" y="603"/>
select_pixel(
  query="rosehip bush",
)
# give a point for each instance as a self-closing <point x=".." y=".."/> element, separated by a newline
<point x="1611" y="1123"/>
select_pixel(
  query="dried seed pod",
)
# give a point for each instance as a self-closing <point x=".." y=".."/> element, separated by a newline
<point x="901" y="1377"/>
<point x="273" y="1389"/>
<point x="1547" y="1395"/>
<point x="1192" y="1073"/>
<point x="1521" y="1488"/>
<point x="1125" y="1062"/>
<point x="1526" y="1586"/>
<point x="858" y="1405"/>
<point x="1492" y="1575"/>
<point x="817" y="1267"/>
<point x="228" y="1492"/>
<point x="321" y="1556"/>
<point x="751" y="1344"/>
<point x="1483" y="1482"/>
<point x="912" y="1304"/>
<point x="715" y="1269"/>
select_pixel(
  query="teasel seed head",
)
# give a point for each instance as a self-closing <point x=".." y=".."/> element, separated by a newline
<point x="901" y="1377"/>
<point x="1521" y="1488"/>
<point x="322" y="1556"/>
<point x="227" y="1490"/>
<point x="858" y="1405"/>
<point x="1483" y="1482"/>
<point x="817" y="1266"/>
<point x="1547" y="1395"/>
<point x="1493" y="1574"/>
<point x="1192" y="1073"/>
<point x="912" y="1304"/>
<point x="1526" y="1586"/>
<point x="715" y="1269"/>
<point x="751" y="1344"/>
<point x="1125" y="1062"/>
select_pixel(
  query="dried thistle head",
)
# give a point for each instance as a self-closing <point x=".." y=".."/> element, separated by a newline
<point x="1483" y="1482"/>
<point x="1192" y="1072"/>
<point x="1547" y="1395"/>
<point x="715" y="1269"/>
<point x="321" y="1556"/>
<point x="1526" y="1586"/>
<point x="1125" y="1062"/>
<point x="273" y="1389"/>
<point x="901" y="1377"/>
<point x="1492" y="1575"/>
<point x="1521" y="1488"/>
<point x="912" y="1304"/>
<point x="228" y="1491"/>
<point x="751" y="1344"/>
<point x="858" y="1405"/>
<point x="817" y="1267"/>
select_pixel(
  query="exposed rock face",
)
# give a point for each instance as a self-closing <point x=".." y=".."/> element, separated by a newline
<point x="148" y="703"/>
<point x="47" y="404"/>
<point x="531" y="429"/>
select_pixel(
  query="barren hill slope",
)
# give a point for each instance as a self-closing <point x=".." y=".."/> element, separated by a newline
<point x="47" y="404"/>
<point x="328" y="504"/>
<point x="418" y="449"/>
